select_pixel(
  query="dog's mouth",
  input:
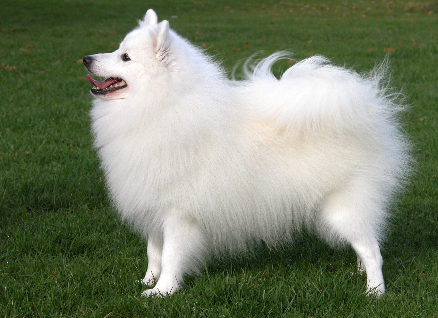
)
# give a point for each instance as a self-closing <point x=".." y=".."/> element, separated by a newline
<point x="107" y="86"/>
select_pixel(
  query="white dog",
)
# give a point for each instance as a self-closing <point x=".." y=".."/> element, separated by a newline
<point x="200" y="164"/>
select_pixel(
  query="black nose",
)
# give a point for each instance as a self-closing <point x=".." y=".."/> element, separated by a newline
<point x="88" y="60"/>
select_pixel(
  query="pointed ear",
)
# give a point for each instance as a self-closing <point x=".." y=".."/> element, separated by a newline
<point x="150" y="18"/>
<point x="162" y="48"/>
<point x="162" y="35"/>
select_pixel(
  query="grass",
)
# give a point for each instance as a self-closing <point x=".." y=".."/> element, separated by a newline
<point x="63" y="250"/>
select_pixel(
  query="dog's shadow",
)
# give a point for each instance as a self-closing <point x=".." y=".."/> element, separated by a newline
<point x="306" y="250"/>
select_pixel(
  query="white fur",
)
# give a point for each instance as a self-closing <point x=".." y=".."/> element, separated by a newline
<point x="200" y="164"/>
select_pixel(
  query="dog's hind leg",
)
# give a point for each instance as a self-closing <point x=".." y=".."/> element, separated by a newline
<point x="371" y="260"/>
<point x="355" y="217"/>
<point x="182" y="253"/>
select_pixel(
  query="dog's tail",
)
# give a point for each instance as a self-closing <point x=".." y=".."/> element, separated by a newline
<point x="314" y="95"/>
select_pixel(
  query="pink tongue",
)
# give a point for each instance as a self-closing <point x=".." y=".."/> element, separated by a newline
<point x="102" y="84"/>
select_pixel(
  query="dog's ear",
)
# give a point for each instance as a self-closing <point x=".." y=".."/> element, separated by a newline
<point x="162" y="47"/>
<point x="150" y="18"/>
<point x="162" y="35"/>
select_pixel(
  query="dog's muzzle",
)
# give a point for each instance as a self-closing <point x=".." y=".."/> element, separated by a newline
<point x="87" y="61"/>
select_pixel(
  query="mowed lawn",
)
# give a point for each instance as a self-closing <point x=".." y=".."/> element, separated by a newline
<point x="65" y="253"/>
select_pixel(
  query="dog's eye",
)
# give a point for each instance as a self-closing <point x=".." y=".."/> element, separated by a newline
<point x="125" y="57"/>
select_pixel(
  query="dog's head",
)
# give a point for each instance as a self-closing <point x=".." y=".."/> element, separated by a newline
<point x="141" y="55"/>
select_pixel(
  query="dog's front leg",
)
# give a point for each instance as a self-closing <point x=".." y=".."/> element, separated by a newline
<point x="182" y="253"/>
<point x="154" y="251"/>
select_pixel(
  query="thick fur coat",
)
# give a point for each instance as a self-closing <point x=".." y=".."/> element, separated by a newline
<point x="200" y="164"/>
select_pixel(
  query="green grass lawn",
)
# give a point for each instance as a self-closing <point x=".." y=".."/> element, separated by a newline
<point x="63" y="250"/>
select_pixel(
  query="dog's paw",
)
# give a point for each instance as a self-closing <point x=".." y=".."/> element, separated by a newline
<point x="162" y="288"/>
<point x="147" y="281"/>
<point x="377" y="292"/>
<point x="155" y="292"/>
<point x="143" y="282"/>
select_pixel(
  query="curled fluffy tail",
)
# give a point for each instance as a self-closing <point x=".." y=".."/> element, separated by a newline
<point x="315" y="95"/>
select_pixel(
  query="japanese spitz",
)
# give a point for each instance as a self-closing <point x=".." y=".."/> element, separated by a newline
<point x="200" y="164"/>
